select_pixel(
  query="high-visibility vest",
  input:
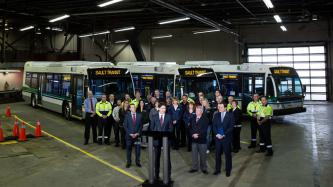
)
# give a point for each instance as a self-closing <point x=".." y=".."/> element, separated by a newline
<point x="103" y="108"/>
<point x="265" y="111"/>
<point x="253" y="107"/>
<point x="135" y="102"/>
<point x="229" y="107"/>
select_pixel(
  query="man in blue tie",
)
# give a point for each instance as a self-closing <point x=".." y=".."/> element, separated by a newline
<point x="133" y="129"/>
<point x="223" y="123"/>
<point x="90" y="118"/>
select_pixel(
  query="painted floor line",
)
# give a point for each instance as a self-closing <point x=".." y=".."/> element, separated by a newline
<point x="85" y="152"/>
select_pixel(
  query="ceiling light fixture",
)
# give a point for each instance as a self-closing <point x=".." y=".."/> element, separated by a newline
<point x="162" y="36"/>
<point x="109" y="3"/>
<point x="173" y="20"/>
<point x="94" y="34"/>
<point x="268" y="3"/>
<point x="54" y="29"/>
<point x="277" y="18"/>
<point x="206" y="31"/>
<point x="283" y="28"/>
<point x="121" y="41"/>
<point x="27" y="28"/>
<point x="59" y="18"/>
<point x="124" y="29"/>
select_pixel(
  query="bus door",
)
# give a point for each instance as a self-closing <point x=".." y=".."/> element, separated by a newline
<point x="41" y="78"/>
<point x="147" y="84"/>
<point x="78" y="94"/>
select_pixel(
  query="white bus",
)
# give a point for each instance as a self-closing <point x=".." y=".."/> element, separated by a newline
<point x="281" y="85"/>
<point x="59" y="86"/>
<point x="149" y="76"/>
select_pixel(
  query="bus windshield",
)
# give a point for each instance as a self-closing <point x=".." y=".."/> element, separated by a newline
<point x="193" y="85"/>
<point x="288" y="85"/>
<point x="118" y="86"/>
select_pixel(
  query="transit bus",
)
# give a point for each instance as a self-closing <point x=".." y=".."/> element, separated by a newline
<point x="149" y="76"/>
<point x="60" y="86"/>
<point x="280" y="84"/>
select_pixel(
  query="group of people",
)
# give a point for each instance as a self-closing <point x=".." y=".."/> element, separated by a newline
<point x="193" y="124"/>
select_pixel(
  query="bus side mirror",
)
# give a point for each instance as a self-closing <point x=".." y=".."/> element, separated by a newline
<point x="304" y="88"/>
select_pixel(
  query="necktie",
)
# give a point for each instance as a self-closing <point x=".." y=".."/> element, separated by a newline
<point x="161" y="120"/>
<point x="134" y="119"/>
<point x="222" y="117"/>
<point x="91" y="105"/>
<point x="197" y="120"/>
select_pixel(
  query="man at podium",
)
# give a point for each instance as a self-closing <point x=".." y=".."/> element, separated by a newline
<point x="161" y="122"/>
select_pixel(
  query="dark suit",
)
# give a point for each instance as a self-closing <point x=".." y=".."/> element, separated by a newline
<point x="237" y="128"/>
<point x="158" y="127"/>
<point x="176" y="115"/>
<point x="133" y="127"/>
<point x="111" y="125"/>
<point x="223" y="145"/>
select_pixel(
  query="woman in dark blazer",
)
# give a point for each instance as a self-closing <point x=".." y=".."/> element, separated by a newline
<point x="236" y="111"/>
<point x="188" y="115"/>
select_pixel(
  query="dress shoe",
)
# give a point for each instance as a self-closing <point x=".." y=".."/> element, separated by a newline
<point x="205" y="172"/>
<point x="216" y="172"/>
<point x="128" y="165"/>
<point x="117" y="145"/>
<point x="139" y="165"/>
<point x="235" y="150"/>
<point x="260" y="151"/>
<point x="193" y="171"/>
<point x="227" y="174"/>
<point x="269" y="153"/>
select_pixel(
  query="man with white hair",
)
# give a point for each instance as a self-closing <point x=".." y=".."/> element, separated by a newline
<point x="198" y="130"/>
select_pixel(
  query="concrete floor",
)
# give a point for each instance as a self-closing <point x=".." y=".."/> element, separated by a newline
<point x="303" y="145"/>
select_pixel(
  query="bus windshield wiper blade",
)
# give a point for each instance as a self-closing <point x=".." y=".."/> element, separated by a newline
<point x="107" y="84"/>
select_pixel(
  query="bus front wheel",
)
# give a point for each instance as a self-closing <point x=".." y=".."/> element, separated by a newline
<point x="67" y="111"/>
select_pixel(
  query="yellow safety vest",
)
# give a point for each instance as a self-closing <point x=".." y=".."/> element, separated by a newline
<point x="103" y="107"/>
<point x="253" y="107"/>
<point x="265" y="111"/>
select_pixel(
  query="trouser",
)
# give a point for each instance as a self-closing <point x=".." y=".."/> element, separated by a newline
<point x="183" y="133"/>
<point x="261" y="136"/>
<point x="103" y="127"/>
<point x="90" y="122"/>
<point x="189" y="137"/>
<point x="116" y="130"/>
<point x="236" y="137"/>
<point x="223" y="147"/>
<point x="122" y="137"/>
<point x="176" y="135"/>
<point x="109" y="127"/>
<point x="254" y="129"/>
<point x="209" y="136"/>
<point x="157" y="149"/>
<point x="129" y="145"/>
<point x="199" y="152"/>
<point x="266" y="129"/>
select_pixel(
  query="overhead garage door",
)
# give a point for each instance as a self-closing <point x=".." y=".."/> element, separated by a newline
<point x="309" y="61"/>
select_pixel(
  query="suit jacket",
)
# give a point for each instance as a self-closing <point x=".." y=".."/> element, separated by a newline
<point x="200" y="128"/>
<point x="237" y="116"/>
<point x="227" y="125"/>
<point x="175" y="114"/>
<point x="156" y="125"/>
<point x="131" y="128"/>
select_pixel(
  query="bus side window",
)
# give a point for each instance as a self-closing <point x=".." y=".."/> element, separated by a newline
<point x="270" y="88"/>
<point x="247" y="85"/>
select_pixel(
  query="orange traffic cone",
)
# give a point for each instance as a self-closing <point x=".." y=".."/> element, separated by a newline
<point x="8" y="113"/>
<point x="16" y="129"/>
<point x="38" y="130"/>
<point x="2" y="139"/>
<point x="23" y="136"/>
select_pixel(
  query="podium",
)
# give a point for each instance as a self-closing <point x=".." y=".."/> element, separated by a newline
<point x="164" y="137"/>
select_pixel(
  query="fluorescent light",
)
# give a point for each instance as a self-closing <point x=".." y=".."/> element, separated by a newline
<point x="277" y="18"/>
<point x="54" y="29"/>
<point x="121" y="41"/>
<point x="109" y="3"/>
<point x="283" y="28"/>
<point x="94" y="34"/>
<point x="268" y="3"/>
<point x="124" y="29"/>
<point x="173" y="20"/>
<point x="27" y="28"/>
<point x="59" y="18"/>
<point x="206" y="31"/>
<point x="162" y="36"/>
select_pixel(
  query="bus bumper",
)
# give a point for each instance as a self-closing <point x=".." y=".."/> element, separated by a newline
<point x="280" y="112"/>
